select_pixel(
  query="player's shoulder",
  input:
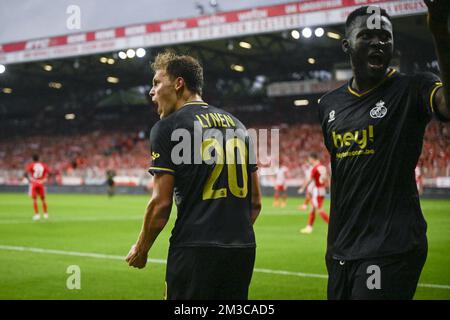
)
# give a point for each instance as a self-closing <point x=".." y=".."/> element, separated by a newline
<point x="163" y="124"/>
<point x="161" y="129"/>
<point x="333" y="95"/>
<point x="419" y="77"/>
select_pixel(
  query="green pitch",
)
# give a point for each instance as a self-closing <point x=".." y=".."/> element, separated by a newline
<point x="95" y="233"/>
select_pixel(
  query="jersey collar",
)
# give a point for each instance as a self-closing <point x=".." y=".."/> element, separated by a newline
<point x="197" y="103"/>
<point x="359" y="95"/>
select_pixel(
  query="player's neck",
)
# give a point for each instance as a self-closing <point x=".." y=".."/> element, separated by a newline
<point x="186" y="98"/>
<point x="362" y="83"/>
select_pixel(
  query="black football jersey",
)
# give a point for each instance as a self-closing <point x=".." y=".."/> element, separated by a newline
<point x="375" y="139"/>
<point x="208" y="151"/>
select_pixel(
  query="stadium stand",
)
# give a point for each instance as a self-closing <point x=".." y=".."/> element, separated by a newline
<point x="83" y="156"/>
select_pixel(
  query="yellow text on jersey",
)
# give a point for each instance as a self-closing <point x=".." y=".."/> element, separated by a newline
<point x="347" y="138"/>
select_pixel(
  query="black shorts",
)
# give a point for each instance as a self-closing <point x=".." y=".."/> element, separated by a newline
<point x="386" y="278"/>
<point x="209" y="273"/>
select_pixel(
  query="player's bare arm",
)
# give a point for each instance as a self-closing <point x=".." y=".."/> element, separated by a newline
<point x="438" y="12"/>
<point x="305" y="185"/>
<point x="156" y="216"/>
<point x="256" y="197"/>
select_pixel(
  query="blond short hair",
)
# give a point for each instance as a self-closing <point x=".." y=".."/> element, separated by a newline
<point x="183" y="66"/>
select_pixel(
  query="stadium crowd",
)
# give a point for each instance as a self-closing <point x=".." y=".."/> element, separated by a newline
<point x="89" y="155"/>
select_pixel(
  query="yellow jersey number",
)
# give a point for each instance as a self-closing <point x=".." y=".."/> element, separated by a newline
<point x="230" y="147"/>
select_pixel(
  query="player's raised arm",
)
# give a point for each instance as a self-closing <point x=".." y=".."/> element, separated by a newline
<point x="156" y="216"/>
<point x="438" y="13"/>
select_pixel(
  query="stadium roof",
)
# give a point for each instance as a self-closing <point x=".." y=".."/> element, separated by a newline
<point x="233" y="71"/>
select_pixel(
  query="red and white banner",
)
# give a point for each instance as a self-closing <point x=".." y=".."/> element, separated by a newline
<point x="223" y="25"/>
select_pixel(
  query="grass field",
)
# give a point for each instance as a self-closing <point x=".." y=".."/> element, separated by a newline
<point x="95" y="233"/>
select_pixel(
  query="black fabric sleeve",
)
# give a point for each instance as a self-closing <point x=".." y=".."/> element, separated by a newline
<point x="320" y="106"/>
<point x="161" y="148"/>
<point x="429" y="83"/>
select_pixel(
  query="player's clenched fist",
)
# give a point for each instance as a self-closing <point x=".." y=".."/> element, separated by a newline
<point x="136" y="258"/>
<point x="438" y="12"/>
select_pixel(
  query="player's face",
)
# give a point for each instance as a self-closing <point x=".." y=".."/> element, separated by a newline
<point x="163" y="93"/>
<point x="370" y="50"/>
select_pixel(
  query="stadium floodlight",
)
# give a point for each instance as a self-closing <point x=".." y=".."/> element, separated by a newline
<point x="334" y="35"/>
<point x="295" y="34"/>
<point x="2" y="68"/>
<point x="245" y="45"/>
<point x="55" y="85"/>
<point x="70" y="116"/>
<point x="111" y="61"/>
<point x="301" y="103"/>
<point x="140" y="52"/>
<point x="237" y="67"/>
<point x="7" y="90"/>
<point x="48" y="67"/>
<point x="111" y="79"/>
<point x="307" y="33"/>
<point x="311" y="61"/>
<point x="319" y="32"/>
<point x="122" y="55"/>
<point x="131" y="53"/>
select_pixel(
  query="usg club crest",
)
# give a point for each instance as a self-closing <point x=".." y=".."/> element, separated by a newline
<point x="379" y="111"/>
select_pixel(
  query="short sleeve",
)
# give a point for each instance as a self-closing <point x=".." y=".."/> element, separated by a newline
<point x="429" y="83"/>
<point x="160" y="149"/>
<point x="322" y="106"/>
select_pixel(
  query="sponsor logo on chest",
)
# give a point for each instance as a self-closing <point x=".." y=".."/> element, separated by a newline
<point x="361" y="137"/>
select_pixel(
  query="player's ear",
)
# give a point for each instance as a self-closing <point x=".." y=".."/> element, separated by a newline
<point x="346" y="45"/>
<point x="179" y="83"/>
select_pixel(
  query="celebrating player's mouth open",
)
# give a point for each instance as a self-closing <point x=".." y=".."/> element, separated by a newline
<point x="373" y="128"/>
<point x="370" y="49"/>
<point x="212" y="247"/>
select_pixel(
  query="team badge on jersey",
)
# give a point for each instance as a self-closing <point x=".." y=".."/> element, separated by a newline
<point x="379" y="111"/>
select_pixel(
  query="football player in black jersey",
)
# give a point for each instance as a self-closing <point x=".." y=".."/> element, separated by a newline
<point x="373" y="128"/>
<point x="214" y="182"/>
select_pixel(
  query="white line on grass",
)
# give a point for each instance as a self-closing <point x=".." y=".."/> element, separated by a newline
<point x="84" y="219"/>
<point x="161" y="261"/>
<point x="73" y="253"/>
